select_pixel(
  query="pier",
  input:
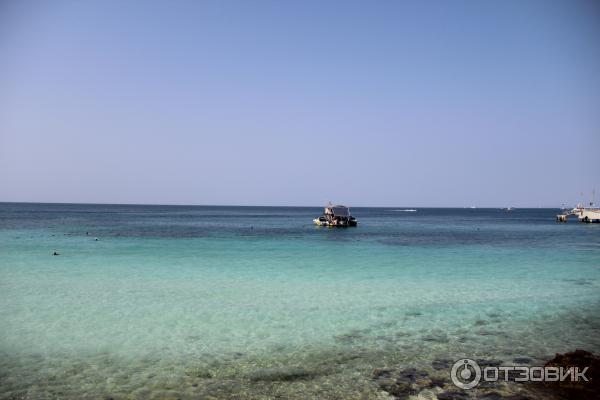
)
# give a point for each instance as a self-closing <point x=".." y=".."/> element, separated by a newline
<point x="562" y="217"/>
<point x="584" y="214"/>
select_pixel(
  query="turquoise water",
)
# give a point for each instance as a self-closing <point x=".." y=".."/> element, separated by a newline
<point x="256" y="302"/>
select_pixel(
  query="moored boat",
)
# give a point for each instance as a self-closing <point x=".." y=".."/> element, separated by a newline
<point x="336" y="216"/>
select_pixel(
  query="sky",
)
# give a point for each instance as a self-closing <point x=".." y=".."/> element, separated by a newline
<point x="384" y="103"/>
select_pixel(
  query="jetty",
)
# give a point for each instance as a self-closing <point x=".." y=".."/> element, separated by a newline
<point x="589" y="214"/>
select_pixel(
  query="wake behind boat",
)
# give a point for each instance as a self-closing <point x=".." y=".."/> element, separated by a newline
<point x="336" y="216"/>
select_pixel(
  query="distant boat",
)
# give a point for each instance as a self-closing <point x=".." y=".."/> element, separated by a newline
<point x="508" y="209"/>
<point x="406" y="210"/>
<point x="336" y="216"/>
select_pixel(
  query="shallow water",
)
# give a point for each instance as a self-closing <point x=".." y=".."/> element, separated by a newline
<point x="255" y="302"/>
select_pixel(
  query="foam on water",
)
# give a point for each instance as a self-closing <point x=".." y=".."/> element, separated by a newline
<point x="253" y="302"/>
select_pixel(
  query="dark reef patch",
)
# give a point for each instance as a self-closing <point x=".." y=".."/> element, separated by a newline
<point x="284" y="374"/>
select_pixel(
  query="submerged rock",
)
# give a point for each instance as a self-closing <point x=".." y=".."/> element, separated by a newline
<point x="453" y="395"/>
<point x="414" y="314"/>
<point x="437" y="336"/>
<point x="437" y="382"/>
<point x="499" y="396"/>
<point x="419" y="384"/>
<point x="442" y="363"/>
<point x="523" y="360"/>
<point x="352" y="336"/>
<point x="492" y="396"/>
<point x="482" y="362"/>
<point x="282" y="374"/>
<point x="401" y="383"/>
<point x="382" y="373"/>
<point x="412" y="374"/>
<point x="579" y="389"/>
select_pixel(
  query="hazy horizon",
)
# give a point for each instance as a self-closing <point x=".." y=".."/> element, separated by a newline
<point x="409" y="206"/>
<point x="430" y="104"/>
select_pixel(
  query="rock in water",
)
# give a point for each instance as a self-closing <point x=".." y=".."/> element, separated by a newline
<point x="579" y="389"/>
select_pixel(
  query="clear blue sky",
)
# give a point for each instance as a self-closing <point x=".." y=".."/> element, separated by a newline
<point x="441" y="103"/>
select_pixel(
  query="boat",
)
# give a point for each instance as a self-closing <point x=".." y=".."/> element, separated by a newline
<point x="336" y="216"/>
<point x="584" y="214"/>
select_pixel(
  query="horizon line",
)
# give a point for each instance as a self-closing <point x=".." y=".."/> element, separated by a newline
<point x="262" y="205"/>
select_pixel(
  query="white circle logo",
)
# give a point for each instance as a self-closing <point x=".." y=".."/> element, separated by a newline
<point x="465" y="373"/>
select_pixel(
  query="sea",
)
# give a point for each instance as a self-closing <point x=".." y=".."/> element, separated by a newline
<point x="216" y="302"/>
